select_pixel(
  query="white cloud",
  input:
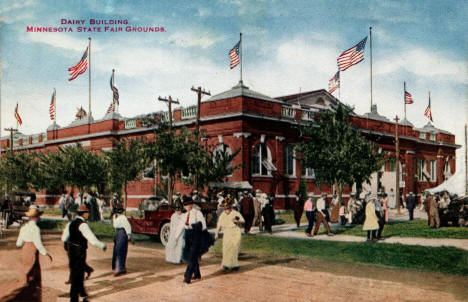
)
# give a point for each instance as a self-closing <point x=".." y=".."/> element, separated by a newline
<point x="13" y="5"/>
<point x="194" y="38"/>
<point x="62" y="40"/>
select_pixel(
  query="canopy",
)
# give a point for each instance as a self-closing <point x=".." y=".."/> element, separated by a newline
<point x="454" y="185"/>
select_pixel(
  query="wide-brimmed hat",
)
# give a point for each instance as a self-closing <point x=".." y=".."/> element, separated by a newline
<point x="82" y="209"/>
<point x="228" y="201"/>
<point x="118" y="210"/>
<point x="34" y="211"/>
<point x="187" y="200"/>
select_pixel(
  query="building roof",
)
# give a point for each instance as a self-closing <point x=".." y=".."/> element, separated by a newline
<point x="431" y="129"/>
<point x="241" y="90"/>
<point x="374" y="115"/>
<point x="406" y="122"/>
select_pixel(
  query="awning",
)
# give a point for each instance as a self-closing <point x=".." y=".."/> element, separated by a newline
<point x="240" y="185"/>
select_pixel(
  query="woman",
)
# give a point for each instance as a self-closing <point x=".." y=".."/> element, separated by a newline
<point x="385" y="205"/>
<point x="371" y="224"/>
<point x="28" y="286"/>
<point x="229" y="221"/>
<point x="176" y="243"/>
<point x="123" y="231"/>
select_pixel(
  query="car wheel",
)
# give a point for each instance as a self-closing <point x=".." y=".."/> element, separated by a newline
<point x="164" y="233"/>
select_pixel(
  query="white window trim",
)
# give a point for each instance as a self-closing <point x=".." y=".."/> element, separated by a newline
<point x="268" y="158"/>
<point x="293" y="175"/>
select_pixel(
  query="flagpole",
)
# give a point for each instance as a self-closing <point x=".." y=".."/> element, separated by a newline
<point x="404" y="96"/>
<point x="370" y="39"/>
<point x="430" y="108"/>
<point x="0" y="92"/>
<point x="89" y="73"/>
<point x="240" y="57"/>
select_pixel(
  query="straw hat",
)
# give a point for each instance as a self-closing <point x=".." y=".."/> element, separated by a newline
<point x="33" y="211"/>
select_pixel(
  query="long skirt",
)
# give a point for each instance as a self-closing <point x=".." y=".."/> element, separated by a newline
<point x="231" y="245"/>
<point x="28" y="286"/>
<point x="175" y="247"/>
<point x="119" y="256"/>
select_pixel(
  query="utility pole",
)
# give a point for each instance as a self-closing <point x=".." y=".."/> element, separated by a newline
<point x="169" y="101"/>
<point x="199" y="92"/>
<point x="397" y="165"/>
<point x="12" y="130"/>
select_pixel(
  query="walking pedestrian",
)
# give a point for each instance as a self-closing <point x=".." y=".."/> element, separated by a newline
<point x="268" y="213"/>
<point x="258" y="209"/>
<point x="434" y="211"/>
<point x="298" y="208"/>
<point x="309" y="210"/>
<point x="77" y="234"/>
<point x="321" y="216"/>
<point x="411" y="204"/>
<point x="229" y="222"/>
<point x="371" y="222"/>
<point x="380" y="213"/>
<point x="28" y="287"/>
<point x="176" y="243"/>
<point x="123" y="233"/>
<point x="247" y="210"/>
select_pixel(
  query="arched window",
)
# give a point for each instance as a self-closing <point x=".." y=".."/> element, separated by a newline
<point x="261" y="160"/>
<point x="222" y="150"/>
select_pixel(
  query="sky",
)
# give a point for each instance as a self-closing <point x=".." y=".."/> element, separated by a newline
<point x="288" y="46"/>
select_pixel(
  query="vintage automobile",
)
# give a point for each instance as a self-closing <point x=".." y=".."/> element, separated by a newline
<point x="14" y="206"/>
<point x="155" y="217"/>
<point x="455" y="213"/>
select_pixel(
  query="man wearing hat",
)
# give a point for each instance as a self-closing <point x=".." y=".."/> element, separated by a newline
<point x="123" y="231"/>
<point x="258" y="209"/>
<point x="321" y="216"/>
<point x="194" y="223"/>
<point x="28" y="286"/>
<point x="77" y="234"/>
<point x="247" y="210"/>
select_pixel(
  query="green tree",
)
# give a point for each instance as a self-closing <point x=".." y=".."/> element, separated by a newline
<point x="338" y="153"/>
<point x="126" y="161"/>
<point x="51" y="171"/>
<point x="18" y="171"/>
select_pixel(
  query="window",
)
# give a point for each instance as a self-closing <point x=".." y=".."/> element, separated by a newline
<point x="447" y="172"/>
<point x="221" y="151"/>
<point x="433" y="137"/>
<point x="308" y="172"/>
<point x="289" y="160"/>
<point x="261" y="160"/>
<point x="422" y="135"/>
<point x="391" y="165"/>
<point x="433" y="170"/>
<point x="421" y="169"/>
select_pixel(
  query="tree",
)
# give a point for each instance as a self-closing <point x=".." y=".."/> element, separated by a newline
<point x="337" y="152"/>
<point x="18" y="171"/>
<point x="126" y="161"/>
<point x="51" y="171"/>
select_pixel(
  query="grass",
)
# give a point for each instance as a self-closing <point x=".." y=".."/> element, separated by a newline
<point x="288" y="217"/>
<point x="436" y="259"/>
<point x="57" y="212"/>
<point x="414" y="228"/>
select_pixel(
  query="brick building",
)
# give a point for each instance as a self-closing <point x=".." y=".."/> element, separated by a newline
<point x="264" y="129"/>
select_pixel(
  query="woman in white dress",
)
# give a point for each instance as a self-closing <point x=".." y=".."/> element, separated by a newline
<point x="175" y="244"/>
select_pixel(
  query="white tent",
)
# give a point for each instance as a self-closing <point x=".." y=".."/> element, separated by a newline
<point x="454" y="185"/>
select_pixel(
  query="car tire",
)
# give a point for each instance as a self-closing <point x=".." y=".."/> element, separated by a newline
<point x="164" y="232"/>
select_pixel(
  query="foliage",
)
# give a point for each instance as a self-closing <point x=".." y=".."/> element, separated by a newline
<point x="126" y="162"/>
<point x="51" y="171"/>
<point x="18" y="171"/>
<point x="448" y="260"/>
<point x="337" y="152"/>
<point x="302" y="190"/>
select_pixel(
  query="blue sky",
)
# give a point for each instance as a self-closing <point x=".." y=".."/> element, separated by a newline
<point x="288" y="46"/>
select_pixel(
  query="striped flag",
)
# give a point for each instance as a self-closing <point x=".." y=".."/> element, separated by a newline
<point x="17" y="116"/>
<point x="234" y="55"/>
<point x="334" y="82"/>
<point x="80" y="67"/>
<point x="428" y="112"/>
<point x="352" y="56"/>
<point x="115" y="91"/>
<point x="52" y="107"/>
<point x="111" y="107"/>
<point x="408" y="98"/>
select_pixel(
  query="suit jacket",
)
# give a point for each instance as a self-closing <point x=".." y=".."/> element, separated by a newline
<point x="411" y="202"/>
<point x="247" y="206"/>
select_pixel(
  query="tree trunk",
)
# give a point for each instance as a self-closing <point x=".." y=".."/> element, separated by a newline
<point x="169" y="189"/>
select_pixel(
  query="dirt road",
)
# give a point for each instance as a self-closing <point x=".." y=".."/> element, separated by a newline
<point x="261" y="278"/>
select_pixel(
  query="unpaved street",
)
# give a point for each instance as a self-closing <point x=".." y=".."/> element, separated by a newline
<point x="261" y="278"/>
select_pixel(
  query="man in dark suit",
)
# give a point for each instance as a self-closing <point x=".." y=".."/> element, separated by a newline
<point x="247" y="210"/>
<point x="411" y="204"/>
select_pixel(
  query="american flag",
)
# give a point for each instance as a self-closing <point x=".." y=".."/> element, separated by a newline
<point x="234" y="55"/>
<point x="80" y="67"/>
<point x="428" y="112"/>
<point x="352" y="56"/>
<point x="115" y="91"/>
<point x="334" y="82"/>
<point x="52" y="107"/>
<point x="111" y="107"/>
<point x="17" y="116"/>
<point x="408" y="98"/>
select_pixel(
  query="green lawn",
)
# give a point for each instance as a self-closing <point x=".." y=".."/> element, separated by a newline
<point x="415" y="228"/>
<point x="438" y="259"/>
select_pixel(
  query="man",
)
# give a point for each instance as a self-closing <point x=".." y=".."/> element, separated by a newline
<point x="268" y="213"/>
<point x="194" y="225"/>
<point x="434" y="211"/>
<point x="411" y="204"/>
<point x="258" y="209"/>
<point x="298" y="209"/>
<point x="321" y="216"/>
<point x="247" y="210"/>
<point x="309" y="209"/>
<point x="77" y="234"/>
<point x="28" y="286"/>
<point x="427" y="207"/>
<point x="379" y="212"/>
